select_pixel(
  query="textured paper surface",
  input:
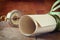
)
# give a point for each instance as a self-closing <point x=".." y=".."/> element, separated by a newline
<point x="46" y="23"/>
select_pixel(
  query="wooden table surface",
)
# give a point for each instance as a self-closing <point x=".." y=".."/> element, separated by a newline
<point x="8" y="32"/>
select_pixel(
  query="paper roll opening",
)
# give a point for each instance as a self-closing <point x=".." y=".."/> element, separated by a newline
<point x="27" y="25"/>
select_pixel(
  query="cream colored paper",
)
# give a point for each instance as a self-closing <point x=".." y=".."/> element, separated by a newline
<point x="31" y="25"/>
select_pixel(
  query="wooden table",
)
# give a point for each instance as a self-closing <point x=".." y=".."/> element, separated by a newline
<point x="7" y="32"/>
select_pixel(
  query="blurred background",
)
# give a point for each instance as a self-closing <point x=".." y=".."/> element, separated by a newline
<point x="26" y="6"/>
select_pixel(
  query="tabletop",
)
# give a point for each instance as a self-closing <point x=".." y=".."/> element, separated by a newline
<point x="8" y="32"/>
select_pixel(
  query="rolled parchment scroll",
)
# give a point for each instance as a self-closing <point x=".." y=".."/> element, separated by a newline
<point x="36" y="24"/>
<point x="13" y="17"/>
<point x="31" y="25"/>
